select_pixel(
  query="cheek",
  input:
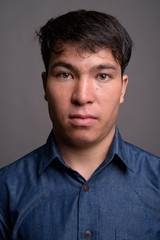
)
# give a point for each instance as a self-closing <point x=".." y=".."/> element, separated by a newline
<point x="110" y="97"/>
<point x="58" y="92"/>
<point x="57" y="102"/>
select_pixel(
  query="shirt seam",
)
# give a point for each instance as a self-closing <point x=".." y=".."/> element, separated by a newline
<point x="5" y="219"/>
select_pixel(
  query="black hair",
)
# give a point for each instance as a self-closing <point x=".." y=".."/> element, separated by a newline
<point x="89" y="30"/>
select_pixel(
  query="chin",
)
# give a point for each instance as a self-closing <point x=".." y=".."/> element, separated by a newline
<point x="82" y="140"/>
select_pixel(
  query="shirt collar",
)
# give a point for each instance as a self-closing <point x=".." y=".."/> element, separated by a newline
<point x="119" y="148"/>
<point x="50" y="151"/>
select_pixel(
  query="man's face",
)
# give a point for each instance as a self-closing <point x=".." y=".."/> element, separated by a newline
<point x="83" y="91"/>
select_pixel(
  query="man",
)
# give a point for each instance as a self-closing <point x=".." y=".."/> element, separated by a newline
<point x="85" y="182"/>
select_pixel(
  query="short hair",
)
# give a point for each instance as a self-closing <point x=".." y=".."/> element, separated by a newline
<point x="90" y="31"/>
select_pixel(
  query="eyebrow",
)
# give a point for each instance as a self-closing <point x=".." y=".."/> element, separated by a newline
<point x="75" y="69"/>
<point x="103" y="66"/>
<point x="66" y="65"/>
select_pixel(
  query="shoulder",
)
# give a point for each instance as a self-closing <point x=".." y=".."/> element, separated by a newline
<point x="138" y="153"/>
<point x="27" y="163"/>
<point x="144" y="164"/>
<point x="15" y="177"/>
<point x="144" y="175"/>
<point x="135" y="157"/>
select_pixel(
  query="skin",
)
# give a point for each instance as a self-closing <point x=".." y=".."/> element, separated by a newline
<point x="84" y="91"/>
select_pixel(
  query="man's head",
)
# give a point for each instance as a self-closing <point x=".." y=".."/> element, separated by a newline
<point x="85" y="54"/>
<point x="89" y="31"/>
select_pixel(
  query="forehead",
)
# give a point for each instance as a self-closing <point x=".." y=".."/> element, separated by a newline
<point x="72" y="52"/>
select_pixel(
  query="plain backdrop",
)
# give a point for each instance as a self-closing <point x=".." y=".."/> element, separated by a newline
<point x="25" y="123"/>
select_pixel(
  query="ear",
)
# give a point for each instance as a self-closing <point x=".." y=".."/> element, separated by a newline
<point x="124" y="87"/>
<point x="44" y="79"/>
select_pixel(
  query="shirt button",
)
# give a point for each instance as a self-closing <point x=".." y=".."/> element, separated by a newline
<point x="87" y="234"/>
<point x="86" y="188"/>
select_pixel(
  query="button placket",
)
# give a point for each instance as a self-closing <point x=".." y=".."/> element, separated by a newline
<point x="87" y="233"/>
<point x="87" y="219"/>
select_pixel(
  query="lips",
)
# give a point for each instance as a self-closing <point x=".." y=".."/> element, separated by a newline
<point x="81" y="120"/>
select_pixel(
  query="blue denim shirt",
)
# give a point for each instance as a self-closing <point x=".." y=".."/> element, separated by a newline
<point x="41" y="198"/>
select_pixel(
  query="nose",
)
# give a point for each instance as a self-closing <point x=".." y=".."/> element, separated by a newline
<point x="83" y="92"/>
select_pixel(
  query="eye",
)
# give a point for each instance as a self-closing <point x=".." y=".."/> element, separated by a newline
<point x="64" y="75"/>
<point x="103" y="76"/>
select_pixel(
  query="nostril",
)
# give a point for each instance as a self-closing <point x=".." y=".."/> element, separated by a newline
<point x="77" y="103"/>
<point x="80" y="102"/>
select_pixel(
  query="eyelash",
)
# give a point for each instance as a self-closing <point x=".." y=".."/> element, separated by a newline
<point x="63" y="74"/>
<point x="104" y="74"/>
<point x="66" y="75"/>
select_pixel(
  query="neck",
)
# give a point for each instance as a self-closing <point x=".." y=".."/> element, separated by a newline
<point x="86" y="160"/>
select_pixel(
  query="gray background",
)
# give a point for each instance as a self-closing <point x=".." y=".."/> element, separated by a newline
<point x="25" y="124"/>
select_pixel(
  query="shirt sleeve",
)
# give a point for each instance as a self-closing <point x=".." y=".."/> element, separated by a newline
<point x="4" y="230"/>
<point x="4" y="211"/>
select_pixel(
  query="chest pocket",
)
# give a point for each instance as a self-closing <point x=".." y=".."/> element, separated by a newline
<point x="144" y="237"/>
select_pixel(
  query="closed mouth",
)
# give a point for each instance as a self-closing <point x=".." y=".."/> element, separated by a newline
<point x="80" y="120"/>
